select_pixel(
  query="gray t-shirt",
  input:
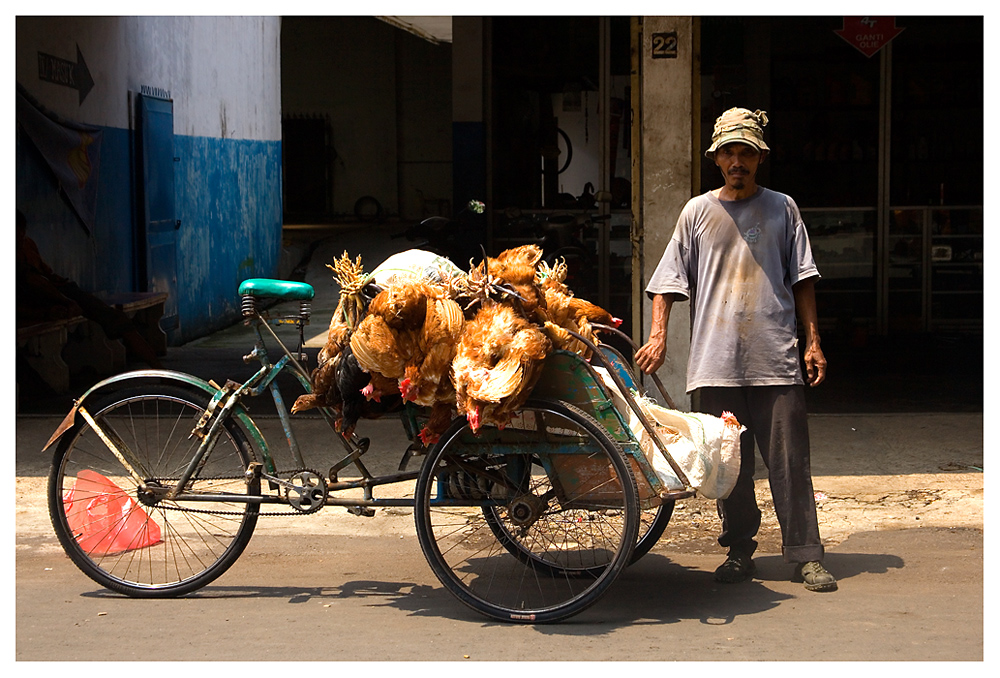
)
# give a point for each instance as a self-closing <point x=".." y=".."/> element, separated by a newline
<point x="737" y="261"/>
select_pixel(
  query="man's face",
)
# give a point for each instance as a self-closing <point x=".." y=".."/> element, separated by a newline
<point x="739" y="163"/>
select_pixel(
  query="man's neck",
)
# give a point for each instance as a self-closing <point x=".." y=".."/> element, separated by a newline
<point x="728" y="194"/>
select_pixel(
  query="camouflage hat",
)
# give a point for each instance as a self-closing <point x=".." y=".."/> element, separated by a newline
<point x="738" y="124"/>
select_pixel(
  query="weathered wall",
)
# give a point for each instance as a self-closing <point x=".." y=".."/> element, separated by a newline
<point x="666" y="168"/>
<point x="222" y="74"/>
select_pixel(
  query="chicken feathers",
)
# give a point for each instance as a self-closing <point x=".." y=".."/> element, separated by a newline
<point x="497" y="363"/>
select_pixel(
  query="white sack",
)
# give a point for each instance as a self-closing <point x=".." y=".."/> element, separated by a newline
<point x="706" y="448"/>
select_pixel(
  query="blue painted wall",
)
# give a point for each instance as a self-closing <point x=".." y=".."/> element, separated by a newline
<point x="229" y="204"/>
<point x="228" y="199"/>
<point x="103" y="261"/>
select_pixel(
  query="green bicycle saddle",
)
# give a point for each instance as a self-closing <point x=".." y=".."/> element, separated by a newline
<point x="286" y="290"/>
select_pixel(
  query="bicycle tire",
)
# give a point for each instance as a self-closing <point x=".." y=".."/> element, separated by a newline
<point x="122" y="539"/>
<point x="652" y="524"/>
<point x="569" y="552"/>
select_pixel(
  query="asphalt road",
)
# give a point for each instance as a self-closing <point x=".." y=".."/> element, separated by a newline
<point x="904" y="595"/>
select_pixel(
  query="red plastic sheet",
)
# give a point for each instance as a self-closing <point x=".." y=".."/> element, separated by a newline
<point x="105" y="519"/>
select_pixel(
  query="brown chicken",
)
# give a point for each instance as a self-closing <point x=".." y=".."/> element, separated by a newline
<point x="516" y="268"/>
<point x="564" y="311"/>
<point x="410" y="335"/>
<point x="428" y="383"/>
<point x="381" y="348"/>
<point x="498" y="361"/>
<point x="426" y="379"/>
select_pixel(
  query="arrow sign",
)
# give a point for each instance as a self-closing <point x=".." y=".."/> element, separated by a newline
<point x="65" y="72"/>
<point x="869" y="34"/>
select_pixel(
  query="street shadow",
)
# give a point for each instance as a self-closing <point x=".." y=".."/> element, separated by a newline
<point x="407" y="596"/>
<point x="841" y="565"/>
<point x="653" y="591"/>
<point x="657" y="591"/>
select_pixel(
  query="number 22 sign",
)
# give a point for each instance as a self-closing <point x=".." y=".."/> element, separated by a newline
<point x="665" y="45"/>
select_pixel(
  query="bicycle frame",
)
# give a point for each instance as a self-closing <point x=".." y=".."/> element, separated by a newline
<point x="264" y="380"/>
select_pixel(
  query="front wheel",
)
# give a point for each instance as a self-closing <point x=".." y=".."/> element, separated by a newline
<point x="532" y="523"/>
<point x="108" y="506"/>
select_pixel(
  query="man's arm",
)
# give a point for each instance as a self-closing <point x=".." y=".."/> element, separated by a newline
<point x="805" y="306"/>
<point x="652" y="354"/>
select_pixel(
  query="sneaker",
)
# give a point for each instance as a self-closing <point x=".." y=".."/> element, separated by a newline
<point x="815" y="577"/>
<point x="738" y="567"/>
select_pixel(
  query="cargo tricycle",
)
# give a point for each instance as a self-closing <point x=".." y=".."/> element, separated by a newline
<point x="159" y="478"/>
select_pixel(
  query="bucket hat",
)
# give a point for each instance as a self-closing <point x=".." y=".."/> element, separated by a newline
<point x="738" y="124"/>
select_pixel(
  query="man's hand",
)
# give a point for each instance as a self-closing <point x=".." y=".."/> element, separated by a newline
<point x="805" y="306"/>
<point x="815" y="364"/>
<point x="650" y="356"/>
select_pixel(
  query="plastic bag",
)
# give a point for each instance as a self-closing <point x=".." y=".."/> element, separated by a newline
<point x="706" y="448"/>
<point x="414" y="264"/>
<point x="104" y="518"/>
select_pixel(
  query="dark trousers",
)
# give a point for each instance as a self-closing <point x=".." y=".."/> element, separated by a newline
<point x="775" y="417"/>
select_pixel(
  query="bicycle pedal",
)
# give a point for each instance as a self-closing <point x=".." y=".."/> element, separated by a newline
<point x="366" y="511"/>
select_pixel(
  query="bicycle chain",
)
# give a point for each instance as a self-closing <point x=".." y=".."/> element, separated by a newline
<point x="262" y="514"/>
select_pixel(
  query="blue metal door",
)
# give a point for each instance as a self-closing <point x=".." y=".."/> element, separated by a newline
<point x="156" y="162"/>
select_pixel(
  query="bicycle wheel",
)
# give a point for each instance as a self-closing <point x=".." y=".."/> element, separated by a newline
<point x="137" y="542"/>
<point x="652" y="523"/>
<point x="532" y="523"/>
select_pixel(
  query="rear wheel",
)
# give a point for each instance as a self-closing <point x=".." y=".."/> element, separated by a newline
<point x="652" y="523"/>
<point x="111" y="514"/>
<point x="532" y="523"/>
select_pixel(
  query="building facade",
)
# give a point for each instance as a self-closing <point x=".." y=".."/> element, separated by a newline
<point x="177" y="124"/>
<point x="583" y="134"/>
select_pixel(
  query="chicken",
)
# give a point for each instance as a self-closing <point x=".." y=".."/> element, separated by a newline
<point x="441" y="414"/>
<point x="345" y="318"/>
<point x="498" y="361"/>
<point x="428" y="383"/>
<point x="410" y="335"/>
<point x="403" y="305"/>
<point x="352" y="381"/>
<point x="563" y="311"/>
<point x="429" y="370"/>
<point x="380" y="348"/>
<point x="379" y="386"/>
<point x="517" y="268"/>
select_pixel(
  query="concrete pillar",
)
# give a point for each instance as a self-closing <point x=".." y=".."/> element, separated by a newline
<point x="666" y="168"/>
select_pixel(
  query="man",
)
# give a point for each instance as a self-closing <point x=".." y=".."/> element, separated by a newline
<point x="741" y="254"/>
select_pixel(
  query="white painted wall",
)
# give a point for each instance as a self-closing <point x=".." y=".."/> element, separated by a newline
<point x="223" y="73"/>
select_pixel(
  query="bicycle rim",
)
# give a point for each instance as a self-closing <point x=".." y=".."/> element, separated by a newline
<point x="115" y="533"/>
<point x="531" y="524"/>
